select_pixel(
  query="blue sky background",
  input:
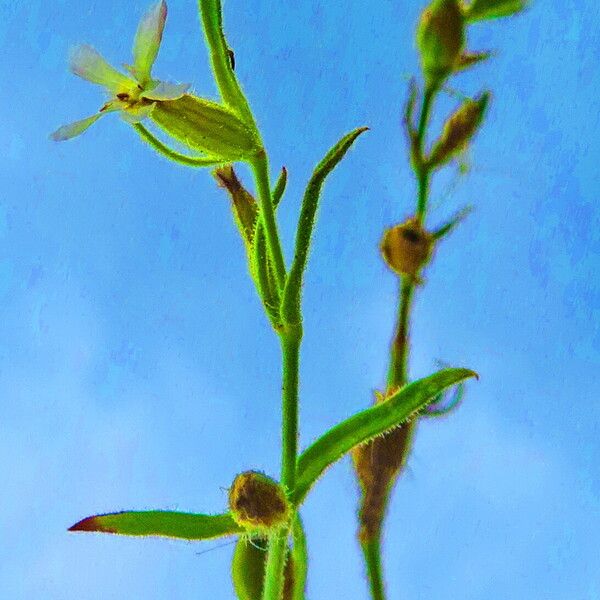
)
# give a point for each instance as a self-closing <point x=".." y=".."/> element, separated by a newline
<point x="138" y="372"/>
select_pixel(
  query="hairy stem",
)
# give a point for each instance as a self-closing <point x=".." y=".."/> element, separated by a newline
<point x="273" y="588"/>
<point x="291" y="338"/>
<point x="260" y="167"/>
<point x="300" y="557"/>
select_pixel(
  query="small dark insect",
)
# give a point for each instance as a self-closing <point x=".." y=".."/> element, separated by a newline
<point x="123" y="96"/>
<point x="231" y="58"/>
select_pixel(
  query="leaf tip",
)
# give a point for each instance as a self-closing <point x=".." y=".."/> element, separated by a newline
<point x="90" y="524"/>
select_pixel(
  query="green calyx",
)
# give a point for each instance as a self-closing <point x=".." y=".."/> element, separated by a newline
<point x="207" y="127"/>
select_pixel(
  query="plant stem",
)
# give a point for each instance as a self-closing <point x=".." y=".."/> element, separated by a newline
<point x="275" y="567"/>
<point x="372" y="554"/>
<point x="260" y="167"/>
<point x="291" y="338"/>
<point x="399" y="352"/>
<point x="398" y="369"/>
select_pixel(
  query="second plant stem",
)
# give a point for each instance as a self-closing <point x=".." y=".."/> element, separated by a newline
<point x="398" y="369"/>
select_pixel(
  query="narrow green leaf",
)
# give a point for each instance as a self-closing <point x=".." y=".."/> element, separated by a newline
<point x="161" y="523"/>
<point x="448" y="227"/>
<point x="265" y="279"/>
<point x="279" y="188"/>
<point x="220" y="53"/>
<point x="369" y="423"/>
<point x="293" y="287"/>
<point x="480" y="10"/>
<point x="299" y="558"/>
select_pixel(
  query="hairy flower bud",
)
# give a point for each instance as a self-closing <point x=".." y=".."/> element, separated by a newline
<point x="207" y="127"/>
<point x="440" y="38"/>
<point x="245" y="208"/>
<point x="459" y="130"/>
<point x="407" y="247"/>
<point x="258" y="502"/>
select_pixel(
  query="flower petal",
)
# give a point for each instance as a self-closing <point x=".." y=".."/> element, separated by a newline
<point x="166" y="91"/>
<point x="86" y="62"/>
<point x="135" y="114"/>
<point x="147" y="40"/>
<point x="67" y="132"/>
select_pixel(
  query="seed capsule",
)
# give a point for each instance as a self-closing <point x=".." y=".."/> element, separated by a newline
<point x="407" y="247"/>
<point x="258" y="502"/>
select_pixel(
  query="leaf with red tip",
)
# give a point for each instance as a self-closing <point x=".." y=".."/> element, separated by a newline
<point x="187" y="526"/>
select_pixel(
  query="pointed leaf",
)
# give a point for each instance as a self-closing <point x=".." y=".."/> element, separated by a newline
<point x="280" y="186"/>
<point x="86" y="62"/>
<point x="147" y="40"/>
<point x="166" y="91"/>
<point x="369" y="423"/>
<point x="494" y="9"/>
<point x="160" y="523"/>
<point x="290" y="308"/>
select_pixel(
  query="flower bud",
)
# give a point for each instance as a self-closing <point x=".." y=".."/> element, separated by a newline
<point x="207" y="127"/>
<point x="258" y="502"/>
<point x="440" y="38"/>
<point x="245" y="208"/>
<point x="458" y="130"/>
<point x="407" y="247"/>
<point x="248" y="569"/>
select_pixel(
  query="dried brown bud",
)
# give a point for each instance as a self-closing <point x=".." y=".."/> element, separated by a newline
<point x="407" y="247"/>
<point x="258" y="502"/>
<point x="459" y="129"/>
<point x="245" y="208"/>
<point x="378" y="464"/>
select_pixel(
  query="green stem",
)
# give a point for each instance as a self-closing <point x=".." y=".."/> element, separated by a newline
<point x="291" y="338"/>
<point x="260" y="167"/>
<point x="424" y="171"/>
<point x="398" y="369"/>
<point x="274" y="570"/>
<point x="183" y="159"/>
<point x="372" y="553"/>
<point x="212" y="21"/>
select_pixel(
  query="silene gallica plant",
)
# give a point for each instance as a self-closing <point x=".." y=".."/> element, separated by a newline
<point x="270" y="559"/>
